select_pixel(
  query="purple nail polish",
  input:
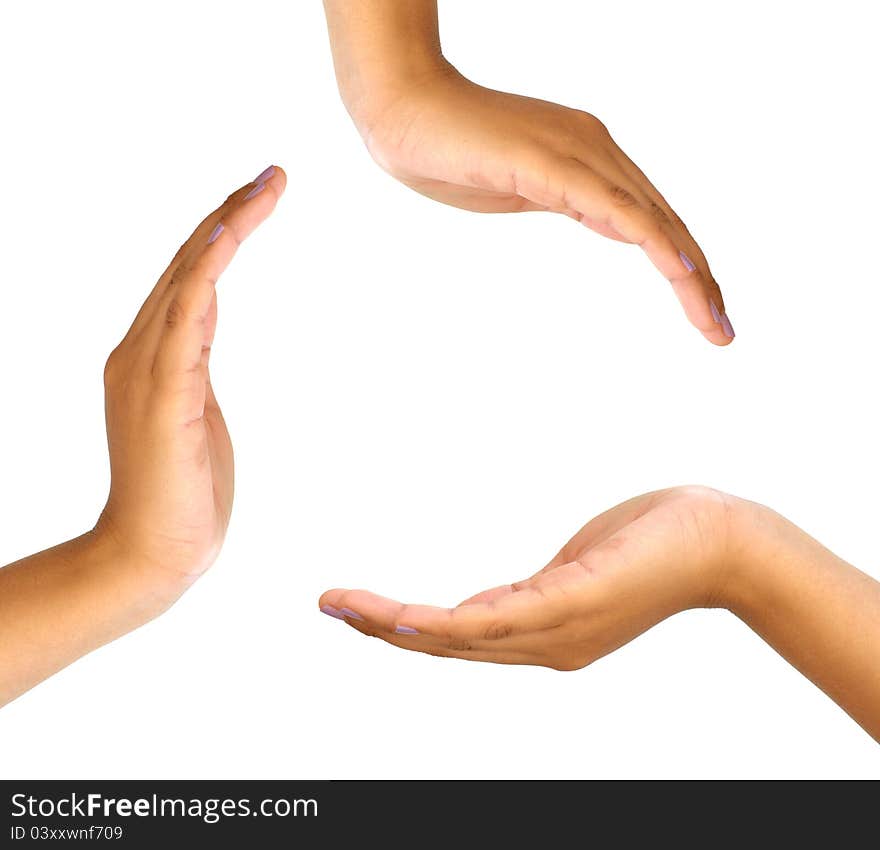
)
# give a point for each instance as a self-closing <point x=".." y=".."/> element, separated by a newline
<point x="687" y="261"/>
<point x="215" y="233"/>
<point x="330" y="611"/>
<point x="715" y="314"/>
<point x="347" y="612"/>
<point x="405" y="630"/>
<point x="727" y="327"/>
<point x="255" y="191"/>
<point x="262" y="178"/>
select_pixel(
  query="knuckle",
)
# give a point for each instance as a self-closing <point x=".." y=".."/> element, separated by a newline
<point x="620" y="197"/>
<point x="590" y="122"/>
<point x="536" y="176"/>
<point x="677" y="220"/>
<point x="698" y="494"/>
<point x="113" y="365"/>
<point x="183" y="267"/>
<point x="498" y="631"/>
<point x="460" y="645"/>
<point x="649" y="228"/>
<point x="181" y="251"/>
<point x="175" y="314"/>
<point x="659" y="213"/>
<point x="436" y="652"/>
<point x="566" y="665"/>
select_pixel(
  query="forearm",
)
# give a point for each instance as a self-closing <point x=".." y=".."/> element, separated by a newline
<point x="816" y="610"/>
<point x="379" y="45"/>
<point x="63" y="603"/>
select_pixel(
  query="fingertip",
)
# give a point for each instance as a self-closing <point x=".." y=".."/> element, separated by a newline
<point x="721" y="332"/>
<point x="273" y="177"/>
<point x="330" y="597"/>
<point x="278" y="180"/>
<point x="717" y="337"/>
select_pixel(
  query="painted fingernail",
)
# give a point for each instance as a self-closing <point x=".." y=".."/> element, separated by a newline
<point x="715" y="314"/>
<point x="347" y="612"/>
<point x="255" y="191"/>
<point x="687" y="261"/>
<point x="405" y="630"/>
<point x="265" y="175"/>
<point x="330" y="611"/>
<point x="727" y="327"/>
<point x="215" y="233"/>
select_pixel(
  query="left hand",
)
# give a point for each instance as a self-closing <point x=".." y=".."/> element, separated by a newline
<point x="170" y="454"/>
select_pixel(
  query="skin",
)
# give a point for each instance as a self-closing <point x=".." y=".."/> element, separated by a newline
<point x="171" y="472"/>
<point x="643" y="561"/>
<point x="488" y="151"/>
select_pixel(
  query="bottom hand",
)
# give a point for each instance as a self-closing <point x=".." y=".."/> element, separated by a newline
<point x="622" y="573"/>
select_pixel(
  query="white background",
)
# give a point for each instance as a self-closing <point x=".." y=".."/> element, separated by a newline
<point x="427" y="402"/>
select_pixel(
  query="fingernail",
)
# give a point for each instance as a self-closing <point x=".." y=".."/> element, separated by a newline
<point x="687" y="261"/>
<point x="347" y="612"/>
<point x="255" y="191"/>
<point x="727" y="327"/>
<point x="215" y="233"/>
<point x="265" y="175"/>
<point x="405" y="630"/>
<point x="330" y="611"/>
<point x="715" y="314"/>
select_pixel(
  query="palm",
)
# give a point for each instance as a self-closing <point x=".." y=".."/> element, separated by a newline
<point x="222" y="465"/>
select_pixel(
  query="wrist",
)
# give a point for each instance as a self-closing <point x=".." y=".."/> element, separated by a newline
<point x="374" y="88"/>
<point x="380" y="48"/>
<point x="758" y="539"/>
<point x="143" y="587"/>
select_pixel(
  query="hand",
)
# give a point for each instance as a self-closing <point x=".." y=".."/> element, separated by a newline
<point x="488" y="151"/>
<point x="170" y="453"/>
<point x="622" y="573"/>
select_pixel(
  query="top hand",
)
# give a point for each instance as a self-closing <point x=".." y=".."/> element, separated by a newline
<point x="488" y="151"/>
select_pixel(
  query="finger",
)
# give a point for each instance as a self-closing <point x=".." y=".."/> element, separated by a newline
<point x="596" y="226"/>
<point x="698" y="288"/>
<point x="185" y="319"/>
<point x="641" y="179"/>
<point x="648" y="224"/>
<point x="210" y="322"/>
<point x="492" y="621"/>
<point x="568" y="183"/>
<point x="425" y="644"/>
<point x="195" y="244"/>
<point x="691" y="249"/>
<point x="148" y="308"/>
<point x="198" y="238"/>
